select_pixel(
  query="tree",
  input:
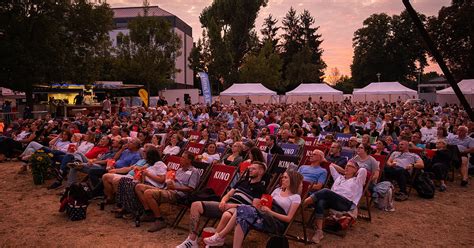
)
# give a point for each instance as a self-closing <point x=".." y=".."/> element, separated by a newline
<point x="229" y="26"/>
<point x="453" y="33"/>
<point x="302" y="60"/>
<point x="370" y="55"/>
<point x="147" y="54"/>
<point x="291" y="37"/>
<point x="312" y="40"/>
<point x="389" y="46"/>
<point x="269" y="32"/>
<point x="333" y="76"/>
<point x="265" y="68"/>
<point x="43" y="42"/>
<point x="301" y="70"/>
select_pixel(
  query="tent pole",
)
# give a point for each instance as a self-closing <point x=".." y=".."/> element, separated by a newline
<point x="439" y="59"/>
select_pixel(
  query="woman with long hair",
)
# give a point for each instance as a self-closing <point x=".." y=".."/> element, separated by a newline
<point x="286" y="200"/>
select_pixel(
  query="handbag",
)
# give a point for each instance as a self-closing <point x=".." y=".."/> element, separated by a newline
<point x="76" y="211"/>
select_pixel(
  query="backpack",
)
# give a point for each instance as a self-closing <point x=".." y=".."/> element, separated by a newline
<point x="278" y="241"/>
<point x="383" y="196"/>
<point x="424" y="185"/>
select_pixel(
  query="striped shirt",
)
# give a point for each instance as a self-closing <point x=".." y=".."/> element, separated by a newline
<point x="245" y="192"/>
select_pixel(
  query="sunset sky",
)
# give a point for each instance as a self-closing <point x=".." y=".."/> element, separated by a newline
<point x="338" y="19"/>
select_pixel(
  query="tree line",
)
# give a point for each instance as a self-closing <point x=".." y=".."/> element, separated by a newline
<point x="61" y="41"/>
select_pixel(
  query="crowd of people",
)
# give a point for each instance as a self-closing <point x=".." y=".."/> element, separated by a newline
<point x="125" y="156"/>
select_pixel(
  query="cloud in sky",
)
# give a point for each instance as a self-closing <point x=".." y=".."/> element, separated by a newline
<point x="337" y="19"/>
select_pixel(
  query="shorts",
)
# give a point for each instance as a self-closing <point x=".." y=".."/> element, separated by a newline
<point x="164" y="195"/>
<point x="211" y="209"/>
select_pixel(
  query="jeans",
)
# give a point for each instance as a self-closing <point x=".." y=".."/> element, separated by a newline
<point x="325" y="198"/>
<point x="71" y="158"/>
<point x="440" y="170"/>
<point x="72" y="177"/>
<point x="32" y="147"/>
<point x="398" y="174"/>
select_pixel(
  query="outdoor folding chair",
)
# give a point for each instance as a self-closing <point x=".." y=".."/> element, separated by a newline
<point x="173" y="162"/>
<point x="347" y="153"/>
<point x="290" y="149"/>
<point x="194" y="136"/>
<point x="309" y="141"/>
<point x="195" y="148"/>
<point x="279" y="165"/>
<point x="343" y="138"/>
<point x="262" y="145"/>
<point x="219" y="179"/>
<point x="304" y="239"/>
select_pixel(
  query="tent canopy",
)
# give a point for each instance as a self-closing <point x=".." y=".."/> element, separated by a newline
<point x="385" y="88"/>
<point x="247" y="90"/>
<point x="466" y="86"/>
<point x="314" y="89"/>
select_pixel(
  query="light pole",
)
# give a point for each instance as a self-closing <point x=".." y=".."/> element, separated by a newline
<point x="378" y="76"/>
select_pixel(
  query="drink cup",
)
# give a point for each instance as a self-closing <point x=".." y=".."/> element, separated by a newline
<point x="266" y="200"/>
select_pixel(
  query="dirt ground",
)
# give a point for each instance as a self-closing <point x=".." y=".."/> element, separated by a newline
<point x="29" y="217"/>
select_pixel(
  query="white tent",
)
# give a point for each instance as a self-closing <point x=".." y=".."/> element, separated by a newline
<point x="389" y="91"/>
<point x="448" y="96"/>
<point x="316" y="91"/>
<point x="256" y="92"/>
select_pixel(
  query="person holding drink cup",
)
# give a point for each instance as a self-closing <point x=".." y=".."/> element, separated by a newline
<point x="187" y="179"/>
<point x="244" y="192"/>
<point x="285" y="202"/>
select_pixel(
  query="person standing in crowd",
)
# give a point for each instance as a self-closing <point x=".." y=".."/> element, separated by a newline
<point x="107" y="105"/>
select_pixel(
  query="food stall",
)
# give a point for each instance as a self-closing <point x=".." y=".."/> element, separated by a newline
<point x="60" y="99"/>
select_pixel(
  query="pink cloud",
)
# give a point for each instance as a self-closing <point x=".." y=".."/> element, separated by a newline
<point x="338" y="19"/>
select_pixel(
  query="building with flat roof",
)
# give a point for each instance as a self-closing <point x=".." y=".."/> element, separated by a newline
<point x="183" y="78"/>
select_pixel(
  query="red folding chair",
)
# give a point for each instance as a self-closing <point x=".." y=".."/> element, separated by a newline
<point x="195" y="148"/>
<point x="173" y="162"/>
<point x="309" y="141"/>
<point x="382" y="159"/>
<point x="429" y="153"/>
<point x="262" y="145"/>
<point x="194" y="136"/>
<point x="219" y="180"/>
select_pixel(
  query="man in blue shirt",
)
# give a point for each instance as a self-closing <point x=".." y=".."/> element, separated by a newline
<point x="128" y="155"/>
<point x="314" y="173"/>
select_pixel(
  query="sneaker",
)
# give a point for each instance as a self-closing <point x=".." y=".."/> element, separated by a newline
<point x="442" y="188"/>
<point x="401" y="197"/>
<point x="188" y="243"/>
<point x="147" y="218"/>
<point x="157" y="226"/>
<point x="318" y="236"/>
<point x="55" y="185"/>
<point x="214" y="240"/>
<point x="464" y="183"/>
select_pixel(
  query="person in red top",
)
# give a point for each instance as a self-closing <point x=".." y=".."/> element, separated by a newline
<point x="101" y="148"/>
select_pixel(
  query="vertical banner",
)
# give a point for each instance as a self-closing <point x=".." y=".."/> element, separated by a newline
<point x="144" y="96"/>
<point x="206" y="88"/>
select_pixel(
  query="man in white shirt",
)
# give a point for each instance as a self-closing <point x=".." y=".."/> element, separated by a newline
<point x="344" y="195"/>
